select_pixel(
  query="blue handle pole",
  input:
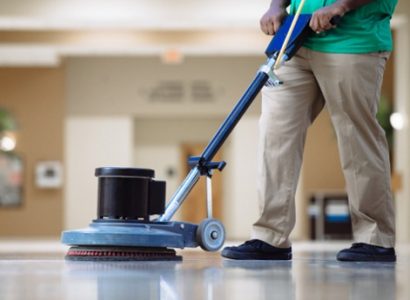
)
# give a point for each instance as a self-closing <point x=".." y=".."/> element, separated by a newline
<point x="233" y="118"/>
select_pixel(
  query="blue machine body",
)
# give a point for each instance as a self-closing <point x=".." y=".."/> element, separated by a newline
<point x="133" y="234"/>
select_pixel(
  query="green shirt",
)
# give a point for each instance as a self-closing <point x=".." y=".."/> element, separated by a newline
<point x="364" y="30"/>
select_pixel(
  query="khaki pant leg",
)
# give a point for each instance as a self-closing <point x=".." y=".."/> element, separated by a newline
<point x="351" y="87"/>
<point x="287" y="111"/>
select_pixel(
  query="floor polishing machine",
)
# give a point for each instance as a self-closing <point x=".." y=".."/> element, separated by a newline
<point x="132" y="221"/>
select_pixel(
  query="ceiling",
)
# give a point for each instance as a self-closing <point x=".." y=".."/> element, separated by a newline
<point x="43" y="32"/>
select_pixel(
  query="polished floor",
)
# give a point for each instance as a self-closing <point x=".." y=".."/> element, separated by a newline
<point x="37" y="270"/>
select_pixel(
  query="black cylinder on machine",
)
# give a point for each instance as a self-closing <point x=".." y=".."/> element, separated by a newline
<point x="129" y="193"/>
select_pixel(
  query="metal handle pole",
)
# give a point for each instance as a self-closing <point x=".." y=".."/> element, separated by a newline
<point x="180" y="194"/>
<point x="209" y="195"/>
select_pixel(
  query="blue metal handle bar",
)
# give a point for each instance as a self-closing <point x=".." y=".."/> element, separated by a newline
<point x="233" y="118"/>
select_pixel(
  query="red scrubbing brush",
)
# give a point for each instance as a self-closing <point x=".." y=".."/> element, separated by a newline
<point x="103" y="253"/>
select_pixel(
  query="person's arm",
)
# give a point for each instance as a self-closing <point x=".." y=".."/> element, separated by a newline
<point x="321" y="18"/>
<point x="272" y="19"/>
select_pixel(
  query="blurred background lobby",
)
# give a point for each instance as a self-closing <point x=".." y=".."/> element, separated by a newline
<point x="146" y="84"/>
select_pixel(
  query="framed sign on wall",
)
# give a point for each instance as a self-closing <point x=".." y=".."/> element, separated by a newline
<point x="11" y="179"/>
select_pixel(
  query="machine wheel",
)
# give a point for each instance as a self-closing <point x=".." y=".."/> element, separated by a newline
<point x="210" y="235"/>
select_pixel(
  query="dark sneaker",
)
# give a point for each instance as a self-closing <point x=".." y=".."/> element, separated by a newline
<point x="257" y="250"/>
<point x="366" y="252"/>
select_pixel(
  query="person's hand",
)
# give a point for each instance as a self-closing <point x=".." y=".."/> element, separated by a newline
<point x="321" y="18"/>
<point x="272" y="19"/>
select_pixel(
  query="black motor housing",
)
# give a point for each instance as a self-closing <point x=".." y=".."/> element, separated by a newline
<point x="129" y="193"/>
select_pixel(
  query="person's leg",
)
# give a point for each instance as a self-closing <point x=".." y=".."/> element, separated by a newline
<point x="351" y="86"/>
<point x="287" y="111"/>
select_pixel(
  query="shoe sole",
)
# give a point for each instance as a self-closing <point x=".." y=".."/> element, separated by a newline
<point x="256" y="256"/>
<point x="366" y="258"/>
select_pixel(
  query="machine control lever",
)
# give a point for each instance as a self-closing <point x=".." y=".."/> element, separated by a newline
<point x="206" y="167"/>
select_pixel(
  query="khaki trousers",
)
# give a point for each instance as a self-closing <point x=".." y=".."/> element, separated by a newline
<point x="349" y="85"/>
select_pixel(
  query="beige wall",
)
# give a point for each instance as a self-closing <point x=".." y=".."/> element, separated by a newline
<point x="92" y="142"/>
<point x="240" y="202"/>
<point x="321" y="158"/>
<point x="101" y="86"/>
<point x="403" y="7"/>
<point x="36" y="98"/>
<point x="402" y="105"/>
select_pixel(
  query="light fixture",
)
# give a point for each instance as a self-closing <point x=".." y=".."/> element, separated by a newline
<point x="7" y="141"/>
<point x="8" y="126"/>
<point x="397" y="120"/>
<point x="172" y="56"/>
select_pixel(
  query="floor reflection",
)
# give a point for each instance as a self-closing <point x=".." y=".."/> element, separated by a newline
<point x="330" y="279"/>
<point x="311" y="275"/>
<point x="191" y="279"/>
<point x="227" y="279"/>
